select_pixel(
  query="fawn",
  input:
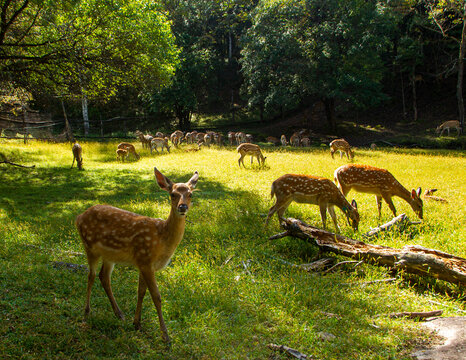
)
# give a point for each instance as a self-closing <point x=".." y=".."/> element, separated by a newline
<point x="253" y="150"/>
<point x="342" y="146"/>
<point x="77" y="155"/>
<point x="120" y="236"/>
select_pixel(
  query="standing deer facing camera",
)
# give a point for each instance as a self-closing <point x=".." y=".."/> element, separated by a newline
<point x="380" y="182"/>
<point x="77" y="155"/>
<point x="312" y="190"/>
<point x="253" y="150"/>
<point x="120" y="236"/>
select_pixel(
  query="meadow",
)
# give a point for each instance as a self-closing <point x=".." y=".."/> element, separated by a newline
<point x="227" y="292"/>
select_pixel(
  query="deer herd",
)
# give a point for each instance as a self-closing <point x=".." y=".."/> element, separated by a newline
<point x="119" y="236"/>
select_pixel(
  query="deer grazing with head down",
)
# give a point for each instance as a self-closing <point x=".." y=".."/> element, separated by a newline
<point x="380" y="182"/>
<point x="120" y="236"/>
<point x="121" y="154"/>
<point x="314" y="190"/>
<point x="283" y="140"/>
<point x="130" y="148"/>
<point x="156" y="142"/>
<point x="77" y="155"/>
<point x="342" y="146"/>
<point x="455" y="124"/>
<point x="253" y="150"/>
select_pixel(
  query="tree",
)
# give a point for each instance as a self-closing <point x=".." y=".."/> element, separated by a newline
<point x="316" y="48"/>
<point x="86" y="48"/>
<point x="448" y="16"/>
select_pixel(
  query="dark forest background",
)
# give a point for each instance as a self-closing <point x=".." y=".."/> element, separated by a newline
<point x="118" y="66"/>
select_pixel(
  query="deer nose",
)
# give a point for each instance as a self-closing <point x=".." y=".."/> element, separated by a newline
<point x="182" y="208"/>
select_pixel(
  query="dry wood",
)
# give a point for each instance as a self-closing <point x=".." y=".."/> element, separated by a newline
<point x="370" y="282"/>
<point x="289" y="351"/>
<point x="4" y="160"/>
<point x="411" y="259"/>
<point x="414" y="315"/>
<point x="401" y="222"/>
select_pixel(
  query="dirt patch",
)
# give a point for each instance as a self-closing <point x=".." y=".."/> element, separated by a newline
<point x="453" y="346"/>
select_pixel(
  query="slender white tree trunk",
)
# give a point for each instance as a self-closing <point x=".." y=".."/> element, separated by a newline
<point x="459" y="85"/>
<point x="85" y="112"/>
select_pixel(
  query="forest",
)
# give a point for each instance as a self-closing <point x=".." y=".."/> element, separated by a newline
<point x="179" y="63"/>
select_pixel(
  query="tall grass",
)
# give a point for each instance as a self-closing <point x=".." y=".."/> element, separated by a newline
<point x="225" y="294"/>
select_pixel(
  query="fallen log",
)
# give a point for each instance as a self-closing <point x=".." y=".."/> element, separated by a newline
<point x="415" y="315"/>
<point x="289" y="351"/>
<point x="411" y="259"/>
<point x="4" y="160"/>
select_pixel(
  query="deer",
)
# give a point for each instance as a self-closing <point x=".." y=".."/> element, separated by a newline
<point x="283" y="140"/>
<point x="305" y="142"/>
<point x="253" y="150"/>
<point x="447" y="125"/>
<point x="313" y="190"/>
<point x="130" y="148"/>
<point x="240" y="138"/>
<point x="294" y="140"/>
<point x="231" y="137"/>
<point x="207" y="139"/>
<point x="156" y="142"/>
<point x="77" y="151"/>
<point x="119" y="236"/>
<point x="272" y="140"/>
<point x="121" y="154"/>
<point x="380" y="182"/>
<point x="145" y="139"/>
<point x="342" y="146"/>
<point x="249" y="138"/>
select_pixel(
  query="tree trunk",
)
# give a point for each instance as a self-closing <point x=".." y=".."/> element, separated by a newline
<point x="411" y="259"/>
<point x="69" y="133"/>
<point x="413" y="84"/>
<point x="85" y="112"/>
<point x="330" y="112"/>
<point x="459" y="86"/>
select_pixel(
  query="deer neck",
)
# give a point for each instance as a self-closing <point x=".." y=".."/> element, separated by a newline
<point x="342" y="203"/>
<point x="400" y="191"/>
<point x="174" y="229"/>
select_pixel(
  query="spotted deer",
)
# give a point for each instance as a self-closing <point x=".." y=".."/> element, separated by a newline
<point x="156" y="142"/>
<point x="342" y="146"/>
<point x="231" y="137"/>
<point x="313" y="190"/>
<point x="130" y="148"/>
<point x="283" y="140"/>
<point x="121" y="154"/>
<point x="429" y="195"/>
<point x="447" y="125"/>
<point x="253" y="150"/>
<point x="145" y="139"/>
<point x="77" y="151"/>
<point x="119" y="236"/>
<point x="380" y="182"/>
<point x="295" y="139"/>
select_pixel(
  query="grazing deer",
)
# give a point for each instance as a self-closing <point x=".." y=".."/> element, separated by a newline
<point x="231" y="137"/>
<point x="156" y="142"/>
<point x="130" y="148"/>
<point x="240" y="138"/>
<point x="447" y="125"/>
<point x="249" y="138"/>
<point x="145" y="139"/>
<point x="312" y="190"/>
<point x="120" y="236"/>
<point x="380" y="182"/>
<point x="342" y="146"/>
<point x="218" y="139"/>
<point x="283" y="140"/>
<point x="207" y="140"/>
<point x="305" y="141"/>
<point x="253" y="150"/>
<point x="273" y="140"/>
<point x="77" y="155"/>
<point x="121" y="154"/>
<point x="294" y="140"/>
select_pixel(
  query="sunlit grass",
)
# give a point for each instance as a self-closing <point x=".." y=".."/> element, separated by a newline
<point x="224" y="295"/>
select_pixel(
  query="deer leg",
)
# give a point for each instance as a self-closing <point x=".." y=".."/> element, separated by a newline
<point x="323" y="214"/>
<point x="149" y="278"/>
<point x="142" y="287"/>
<point x="72" y="162"/>
<point x="104" y="276"/>
<point x="331" y="211"/>
<point x="379" y="205"/>
<point x="93" y="262"/>
<point x="389" y="201"/>
<point x="239" y="160"/>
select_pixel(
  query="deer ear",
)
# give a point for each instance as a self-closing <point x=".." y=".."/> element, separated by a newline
<point x="418" y="191"/>
<point x="193" y="181"/>
<point x="354" y="204"/>
<point x="162" y="180"/>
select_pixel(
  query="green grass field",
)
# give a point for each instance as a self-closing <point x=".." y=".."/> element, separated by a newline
<point x="225" y="293"/>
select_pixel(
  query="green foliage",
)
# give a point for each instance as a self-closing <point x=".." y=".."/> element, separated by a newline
<point x="225" y="294"/>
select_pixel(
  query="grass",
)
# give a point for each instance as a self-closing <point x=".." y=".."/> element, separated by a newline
<point x="225" y="296"/>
